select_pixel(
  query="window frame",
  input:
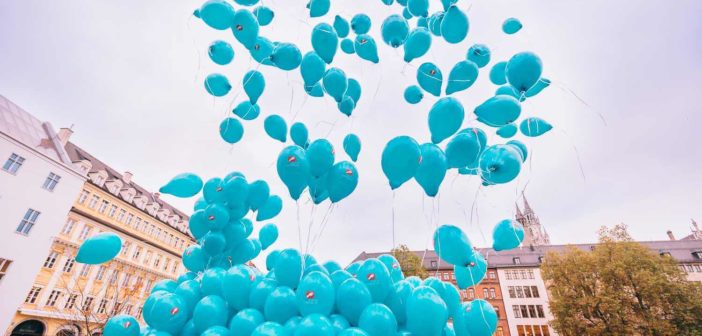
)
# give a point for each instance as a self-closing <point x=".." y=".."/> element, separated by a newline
<point x="28" y="221"/>
<point x="52" y="180"/>
<point x="13" y="163"/>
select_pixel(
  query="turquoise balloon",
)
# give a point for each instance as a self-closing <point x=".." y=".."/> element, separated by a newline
<point x="341" y="180"/>
<point x="451" y="297"/>
<point x="454" y="26"/>
<point x="347" y="46"/>
<point x="366" y="48"/>
<point x="213" y="243"/>
<point x="523" y="70"/>
<point x="432" y="169"/>
<point x="211" y="282"/>
<point x="288" y="268"/>
<point x="320" y="155"/>
<point x="445" y="118"/>
<point x="521" y="147"/>
<point x="418" y="7"/>
<point x="434" y="23"/>
<point x="245" y="28"/>
<point x="511" y="26"/>
<point x="271" y="259"/>
<point x="220" y="52"/>
<point x="299" y="134"/>
<point x="376" y="277"/>
<point x="400" y="160"/>
<point x="270" y="329"/>
<point x="352" y="146"/>
<point x="462" y="76"/>
<point x="335" y="83"/>
<point x="312" y="68"/>
<point x="397" y="300"/>
<point x="352" y="297"/>
<point x="264" y="15"/>
<point x="360" y="23"/>
<point x="286" y="56"/>
<point x="314" y="325"/>
<point x="378" y="320"/>
<point x="200" y="203"/>
<point x="339" y="323"/>
<point x="183" y="185"/>
<point x="340" y="276"/>
<point x="354" y="90"/>
<point x="246" y="110"/>
<point x="353" y="332"/>
<point x="506" y="235"/>
<point x="258" y="194"/>
<point x="262" y="50"/>
<point x="198" y="224"/>
<point x="260" y="292"/>
<point x="500" y="164"/>
<point x="292" y="324"/>
<point x="168" y="312"/>
<point x="452" y="245"/>
<point x="269" y="209"/>
<point x="353" y="268"/>
<point x="422" y="22"/>
<point x="245" y="321"/>
<point x="498" y="111"/>
<point x="393" y="267"/>
<point x="508" y="90"/>
<point x="479" y="134"/>
<point x="538" y="87"/>
<point x="318" y="189"/>
<point x="462" y="150"/>
<point x="448" y="3"/>
<point x="413" y="94"/>
<point x="121" y="325"/>
<point x="213" y="191"/>
<point x="217" y="216"/>
<point x="479" y="54"/>
<point x="246" y="2"/>
<point x="332" y="266"/>
<point x="253" y="84"/>
<point x="99" y="248"/>
<point x="406" y="14"/>
<point x="216" y="331"/>
<point x="394" y="30"/>
<point x="341" y="26"/>
<point x="479" y="317"/>
<point x="280" y="305"/>
<point x="268" y="235"/>
<point x="315" y="294"/>
<point x="533" y="127"/>
<point x="430" y="78"/>
<point x="498" y="74"/>
<point x="165" y="285"/>
<point x="417" y="44"/>
<point x="346" y="105"/>
<point x="426" y="312"/>
<point x="231" y="130"/>
<point x="217" y="14"/>
<point x="237" y="283"/>
<point x="210" y="311"/>
<point x="325" y="41"/>
<point x="189" y="291"/>
<point x="276" y="127"/>
<point x="315" y="90"/>
<point x="293" y="169"/>
<point x="185" y="277"/>
<point x="217" y="85"/>
<point x="507" y="131"/>
<point x="318" y="7"/>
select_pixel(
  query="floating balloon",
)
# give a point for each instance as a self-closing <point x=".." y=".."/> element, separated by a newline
<point x="288" y="268"/>
<point x="533" y="127"/>
<point x="258" y="194"/>
<point x="511" y="26"/>
<point x="497" y="73"/>
<point x="315" y="91"/>
<point x="168" y="312"/>
<point x="462" y="150"/>
<point x="220" y="52"/>
<point x="523" y="70"/>
<point x="432" y="169"/>
<point x="268" y="235"/>
<point x="400" y="160"/>
<point x="246" y="2"/>
<point x="417" y="44"/>
<point x="210" y="311"/>
<point x="293" y="169"/>
<point x="521" y="147"/>
<point x="269" y="209"/>
<point x="335" y="83"/>
<point x="276" y="128"/>
<point x="426" y="312"/>
<point x="538" y="87"/>
<point x="318" y="7"/>
<point x="394" y="30"/>
<point x="245" y="28"/>
<point x="413" y="94"/>
<point x="346" y="105"/>
<point x="261" y="50"/>
<point x="325" y="41"/>
<point x="454" y="25"/>
<point x="352" y="146"/>
<point x="452" y="245"/>
<point x="99" y="248"/>
<point x="245" y="321"/>
<point x="445" y="118"/>
<point x="360" y="24"/>
<point x="217" y="85"/>
<point x="365" y="48"/>
<point x="352" y="297"/>
<point x="498" y="111"/>
<point x="406" y="13"/>
<point x="121" y="325"/>
<point x="341" y="180"/>
<point x="434" y="23"/>
<point x="217" y="14"/>
<point x="213" y="243"/>
<point x="253" y="84"/>
<point x="500" y="164"/>
<point x="320" y="155"/>
<point x="247" y="110"/>
<point x="377" y="319"/>
<point x="264" y="15"/>
<point x="506" y="235"/>
<point x="347" y="46"/>
<point x="353" y="90"/>
<point x="479" y="54"/>
<point x="315" y="294"/>
<point x="341" y="26"/>
<point x="312" y="68"/>
<point x="462" y="76"/>
<point x="480" y="318"/>
<point x="238" y="282"/>
<point x="422" y="22"/>
<point x="314" y="325"/>
<point x="270" y="329"/>
<point x="183" y="185"/>
<point x="471" y="273"/>
<point x="299" y="135"/>
<point x="430" y="78"/>
<point x="418" y="7"/>
<point x="508" y="90"/>
<point x="507" y="131"/>
<point x="280" y="305"/>
<point x="286" y="56"/>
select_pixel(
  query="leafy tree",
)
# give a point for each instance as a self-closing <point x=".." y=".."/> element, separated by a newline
<point x="411" y="263"/>
<point x="620" y="288"/>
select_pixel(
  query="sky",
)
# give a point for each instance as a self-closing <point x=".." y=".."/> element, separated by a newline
<point x="127" y="75"/>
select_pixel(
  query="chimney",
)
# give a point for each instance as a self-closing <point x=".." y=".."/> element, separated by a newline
<point x="694" y="224"/>
<point x="127" y="177"/>
<point x="64" y="135"/>
<point x="670" y="235"/>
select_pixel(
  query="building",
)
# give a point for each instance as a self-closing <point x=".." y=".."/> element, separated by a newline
<point x="534" y="233"/>
<point x="67" y="298"/>
<point x="38" y="184"/>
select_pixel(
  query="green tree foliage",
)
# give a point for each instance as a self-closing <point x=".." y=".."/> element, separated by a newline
<point x="620" y="288"/>
<point x="411" y="263"/>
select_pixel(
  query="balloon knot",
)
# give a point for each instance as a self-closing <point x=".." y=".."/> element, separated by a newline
<point x="420" y="159"/>
<point x="218" y="189"/>
<point x="239" y="27"/>
<point x="363" y="41"/>
<point x="432" y="72"/>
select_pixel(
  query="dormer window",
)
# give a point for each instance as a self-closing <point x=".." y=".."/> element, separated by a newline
<point x="665" y="254"/>
<point x="128" y="194"/>
<point x="517" y="261"/>
<point x="99" y="177"/>
<point x="697" y="254"/>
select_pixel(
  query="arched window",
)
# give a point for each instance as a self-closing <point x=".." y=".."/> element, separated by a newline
<point x="29" y="328"/>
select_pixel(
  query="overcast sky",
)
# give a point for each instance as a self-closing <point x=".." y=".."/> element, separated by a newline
<point x="128" y="75"/>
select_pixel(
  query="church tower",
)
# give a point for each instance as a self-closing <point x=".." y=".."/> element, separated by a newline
<point x="534" y="234"/>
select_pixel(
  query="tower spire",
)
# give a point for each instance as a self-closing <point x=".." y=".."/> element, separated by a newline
<point x="527" y="207"/>
<point x="519" y="212"/>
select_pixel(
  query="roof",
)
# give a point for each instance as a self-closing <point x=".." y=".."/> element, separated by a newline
<point x="680" y="250"/>
<point x="25" y="128"/>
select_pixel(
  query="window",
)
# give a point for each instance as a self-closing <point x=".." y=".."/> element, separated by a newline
<point x="137" y="224"/>
<point x="33" y="294"/>
<point x="137" y="251"/>
<point x="93" y="202"/>
<point x="4" y="266"/>
<point x="522" y="273"/>
<point x="508" y="274"/>
<point x="166" y="264"/>
<point x="130" y="218"/>
<point x="530" y="273"/>
<point x="68" y="266"/>
<point x="527" y="292"/>
<point x="524" y="310"/>
<point x="147" y="258"/>
<point x="532" y="311"/>
<point x="491" y="274"/>
<point x="540" y="311"/>
<point x="174" y="267"/>
<point x="157" y="260"/>
<point x="103" y="206"/>
<point x="516" y="260"/>
<point x="113" y="278"/>
<point x="471" y="293"/>
<point x="148" y="285"/>
<point x="113" y="210"/>
<point x="492" y="293"/>
<point x="126" y="279"/>
<point x="681" y="267"/>
<point x="51" y="181"/>
<point x="85" y="232"/>
<point x="125" y="247"/>
<point x="520" y="292"/>
<point x="53" y="297"/>
<point x="485" y="293"/>
<point x="433" y="264"/>
<point x="697" y="254"/>
<point x="698" y="268"/>
<point x="517" y="312"/>
<point x="83" y="196"/>
<point x="85" y="270"/>
<point x="122" y="213"/>
<point x="138" y="314"/>
<point x="100" y="273"/>
<point x="68" y="227"/>
<point x="13" y="163"/>
<point x="534" y="291"/>
<point x="445" y="276"/>
<point x="512" y="293"/>
<point x="88" y="303"/>
<point x="51" y="259"/>
<point x="26" y="224"/>
<point x="689" y="268"/>
<point x="665" y="254"/>
<point x="152" y="228"/>
<point x="499" y="332"/>
<point x="71" y="302"/>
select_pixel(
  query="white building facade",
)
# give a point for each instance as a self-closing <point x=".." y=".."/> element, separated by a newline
<point x="526" y="301"/>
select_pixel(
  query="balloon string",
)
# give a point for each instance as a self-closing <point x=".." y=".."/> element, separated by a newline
<point x="309" y="229"/>
<point x="325" y="221"/>
<point x="393" y="220"/>
<point x="299" y="226"/>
